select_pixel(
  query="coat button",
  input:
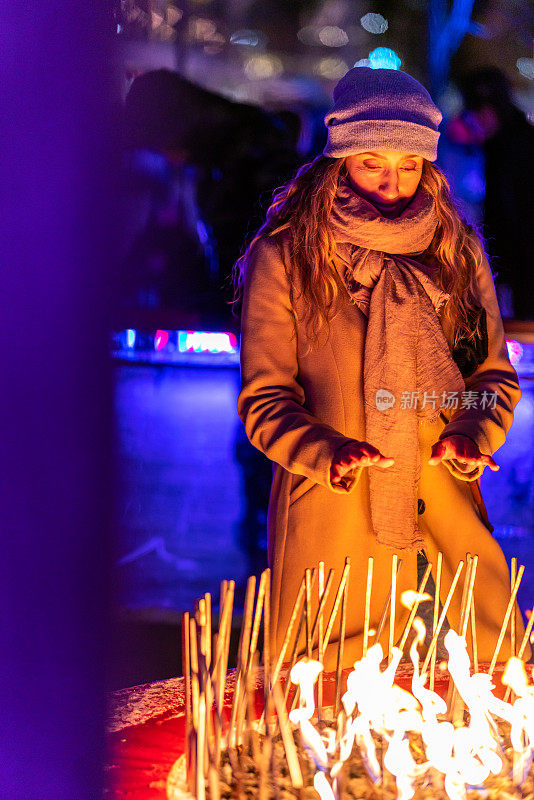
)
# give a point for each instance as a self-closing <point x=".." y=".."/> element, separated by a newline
<point x="420" y="506"/>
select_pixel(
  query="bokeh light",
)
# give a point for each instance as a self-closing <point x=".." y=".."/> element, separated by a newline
<point x="515" y="351"/>
<point x="526" y="67"/>
<point x="174" y="15"/>
<point x="203" y="341"/>
<point x="384" y="58"/>
<point x="332" y="36"/>
<point x="248" y="38"/>
<point x="202" y="29"/>
<point x="331" y="68"/>
<point x="374" y="23"/>
<point x="161" y="339"/>
<point x="309" y="35"/>
<point x="264" y="66"/>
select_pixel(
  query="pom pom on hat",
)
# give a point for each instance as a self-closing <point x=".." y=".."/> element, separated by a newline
<point x="381" y="109"/>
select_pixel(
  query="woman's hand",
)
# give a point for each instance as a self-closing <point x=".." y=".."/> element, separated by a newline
<point x="464" y="450"/>
<point x="356" y="454"/>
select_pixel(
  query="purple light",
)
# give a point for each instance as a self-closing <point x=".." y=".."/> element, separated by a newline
<point x="515" y="351"/>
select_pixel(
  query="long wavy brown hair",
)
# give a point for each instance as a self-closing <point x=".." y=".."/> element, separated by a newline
<point x="303" y="208"/>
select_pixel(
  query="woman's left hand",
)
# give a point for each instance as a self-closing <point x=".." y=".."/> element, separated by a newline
<point x="463" y="449"/>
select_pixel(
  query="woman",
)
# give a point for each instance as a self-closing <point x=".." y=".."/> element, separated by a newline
<point x="368" y="309"/>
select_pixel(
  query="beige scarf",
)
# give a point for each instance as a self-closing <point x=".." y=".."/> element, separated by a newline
<point x="405" y="354"/>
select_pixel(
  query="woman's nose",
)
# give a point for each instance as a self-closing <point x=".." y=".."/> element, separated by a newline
<point x="389" y="186"/>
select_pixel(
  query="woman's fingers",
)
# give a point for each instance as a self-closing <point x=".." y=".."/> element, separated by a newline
<point x="385" y="462"/>
<point x="367" y="453"/>
<point x="363" y="454"/>
<point x="357" y="454"/>
<point x="454" y="447"/>
<point x="366" y="460"/>
<point x="460" y="448"/>
<point x="439" y="451"/>
<point x="490" y="463"/>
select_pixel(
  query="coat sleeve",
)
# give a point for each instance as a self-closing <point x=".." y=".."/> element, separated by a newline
<point x="271" y="400"/>
<point x="488" y="421"/>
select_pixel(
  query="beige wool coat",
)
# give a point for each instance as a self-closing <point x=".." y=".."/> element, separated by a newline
<point x="299" y="406"/>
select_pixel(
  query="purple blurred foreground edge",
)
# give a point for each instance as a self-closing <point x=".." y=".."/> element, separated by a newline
<point x="56" y="95"/>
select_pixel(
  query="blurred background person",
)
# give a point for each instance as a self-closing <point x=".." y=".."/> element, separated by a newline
<point x="197" y="168"/>
<point x="492" y="122"/>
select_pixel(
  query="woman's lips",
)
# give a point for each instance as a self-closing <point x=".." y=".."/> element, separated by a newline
<point x="384" y="204"/>
<point x="390" y="209"/>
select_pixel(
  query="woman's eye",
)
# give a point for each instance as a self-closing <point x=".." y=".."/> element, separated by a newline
<point x="371" y="166"/>
<point x="409" y="169"/>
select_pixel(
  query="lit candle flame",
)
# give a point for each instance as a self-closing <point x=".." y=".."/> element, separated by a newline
<point x="373" y="704"/>
<point x="409" y="598"/>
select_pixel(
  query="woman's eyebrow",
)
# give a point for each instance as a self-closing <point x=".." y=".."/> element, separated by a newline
<point x="377" y="155"/>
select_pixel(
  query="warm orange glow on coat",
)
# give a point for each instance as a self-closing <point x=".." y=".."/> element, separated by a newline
<point x="299" y="407"/>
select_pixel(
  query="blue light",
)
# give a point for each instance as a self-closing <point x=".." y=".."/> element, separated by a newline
<point x="182" y="341"/>
<point x="384" y="58"/>
<point x="246" y="38"/>
<point x="202" y="232"/>
<point x="205" y="348"/>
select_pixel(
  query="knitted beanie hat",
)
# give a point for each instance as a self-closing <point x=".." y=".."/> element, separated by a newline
<point x="381" y="109"/>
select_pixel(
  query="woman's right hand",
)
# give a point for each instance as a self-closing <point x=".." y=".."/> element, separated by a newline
<point x="356" y="454"/>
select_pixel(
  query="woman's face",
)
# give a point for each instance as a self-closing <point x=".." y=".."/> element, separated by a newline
<point x="387" y="179"/>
